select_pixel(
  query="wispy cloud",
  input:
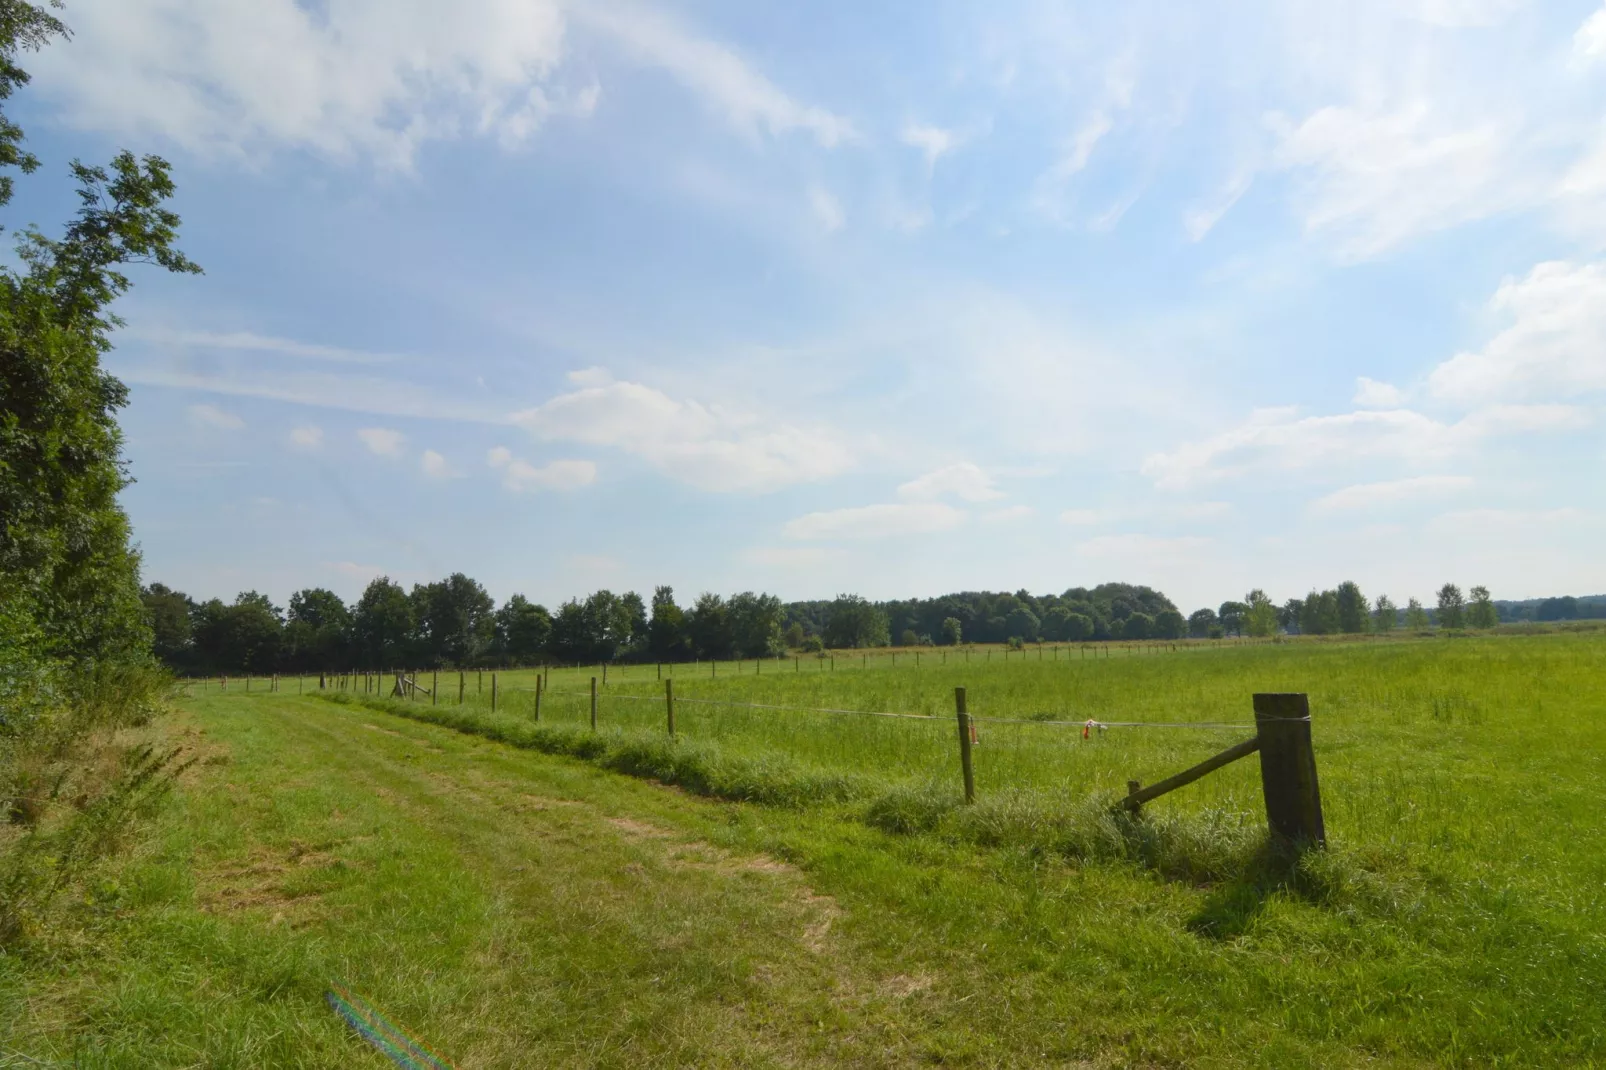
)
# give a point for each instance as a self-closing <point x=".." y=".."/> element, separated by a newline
<point x="435" y="466"/>
<point x="962" y="480"/>
<point x="705" y="446"/>
<point x="519" y="475"/>
<point x="244" y="341"/>
<point x="876" y="521"/>
<point x="726" y="82"/>
<point x="934" y="142"/>
<point x="1363" y="496"/>
<point x="826" y="208"/>
<point x="307" y="437"/>
<point x="212" y="416"/>
<point x="381" y="441"/>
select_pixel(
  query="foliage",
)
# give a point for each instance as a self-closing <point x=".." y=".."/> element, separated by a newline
<point x="1385" y="615"/>
<point x="382" y="625"/>
<point x="1261" y="619"/>
<point x="1416" y="618"/>
<point x="854" y="622"/>
<point x="453" y="621"/>
<point x="1352" y="608"/>
<point x="1200" y="621"/>
<point x="1452" y="607"/>
<point x="666" y="631"/>
<point x="522" y="630"/>
<point x="1232" y="617"/>
<point x="1481" y="612"/>
<point x="952" y="631"/>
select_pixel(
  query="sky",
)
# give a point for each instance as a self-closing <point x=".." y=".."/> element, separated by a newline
<point x="857" y="297"/>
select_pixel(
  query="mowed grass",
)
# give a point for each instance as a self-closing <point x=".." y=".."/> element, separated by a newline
<point x="523" y="908"/>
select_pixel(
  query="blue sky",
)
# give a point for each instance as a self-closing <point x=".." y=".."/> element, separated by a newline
<point x="886" y="298"/>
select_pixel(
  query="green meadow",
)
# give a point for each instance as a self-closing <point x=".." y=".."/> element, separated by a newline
<point x="792" y="880"/>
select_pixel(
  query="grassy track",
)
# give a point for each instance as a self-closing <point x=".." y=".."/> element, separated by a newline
<point x="520" y="909"/>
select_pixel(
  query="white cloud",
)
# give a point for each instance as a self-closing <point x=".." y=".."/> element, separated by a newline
<point x="1504" y="521"/>
<point x="876" y="521"/>
<point x="357" y="571"/>
<point x="255" y="343"/>
<point x="1009" y="514"/>
<point x="1372" y="495"/>
<point x="1137" y="547"/>
<point x="1589" y="41"/>
<point x="590" y="377"/>
<point x="1377" y="177"/>
<point x="212" y="416"/>
<point x="1202" y="218"/>
<point x="1372" y="394"/>
<point x="1555" y="346"/>
<point x="520" y="475"/>
<point x="343" y="79"/>
<point x="791" y="556"/>
<point x="707" y="447"/>
<point x="382" y="441"/>
<point x="306" y="438"/>
<point x="933" y="141"/>
<point x="1087" y="517"/>
<point x="365" y="78"/>
<point x="826" y="208"/>
<point x="962" y="480"/>
<point x="743" y="97"/>
<point x="435" y="466"/>
<point x="1456" y="14"/>
<point x="1281" y="440"/>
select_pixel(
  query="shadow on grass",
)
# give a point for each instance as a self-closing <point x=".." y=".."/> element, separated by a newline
<point x="1274" y="869"/>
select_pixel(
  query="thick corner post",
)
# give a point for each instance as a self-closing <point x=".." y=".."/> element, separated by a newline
<point x="1288" y="769"/>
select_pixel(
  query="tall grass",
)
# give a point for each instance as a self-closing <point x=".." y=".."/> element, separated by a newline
<point x="70" y="783"/>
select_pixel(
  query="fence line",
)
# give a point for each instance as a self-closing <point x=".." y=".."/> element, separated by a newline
<point x="1094" y="722"/>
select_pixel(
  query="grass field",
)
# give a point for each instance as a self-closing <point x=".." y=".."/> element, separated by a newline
<point x="497" y="885"/>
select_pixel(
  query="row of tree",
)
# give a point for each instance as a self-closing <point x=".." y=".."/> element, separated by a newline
<point x="1343" y="610"/>
<point x="1108" y="611"/>
<point x="455" y="622"/>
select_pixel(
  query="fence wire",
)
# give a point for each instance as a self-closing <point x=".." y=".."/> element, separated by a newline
<point x="1046" y="721"/>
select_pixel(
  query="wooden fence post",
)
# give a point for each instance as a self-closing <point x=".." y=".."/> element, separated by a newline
<point x="434" y="685"/>
<point x="493" y="692"/>
<point x="1288" y="768"/>
<point x="538" y="690"/>
<point x="660" y="670"/>
<point x="593" y="704"/>
<point x="605" y="674"/>
<point x="964" y="745"/>
<point x="669" y="705"/>
<point x="460" y="684"/>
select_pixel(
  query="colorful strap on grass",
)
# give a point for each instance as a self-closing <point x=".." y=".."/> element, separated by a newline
<point x="382" y="1033"/>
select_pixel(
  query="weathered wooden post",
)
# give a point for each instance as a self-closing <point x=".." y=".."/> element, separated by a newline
<point x="669" y="705"/>
<point x="434" y="685"/>
<point x="964" y="745"/>
<point x="1288" y="768"/>
<point x="493" y="692"/>
<point x="539" y="688"/>
<point x="461" y="682"/>
<point x="605" y="674"/>
<point x="593" y="704"/>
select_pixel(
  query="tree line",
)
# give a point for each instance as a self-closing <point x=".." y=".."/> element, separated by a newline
<point x="455" y="622"/>
<point x="1343" y="610"/>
